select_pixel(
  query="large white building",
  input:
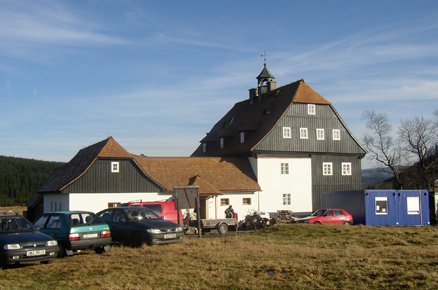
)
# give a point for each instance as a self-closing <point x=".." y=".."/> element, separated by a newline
<point x="278" y="149"/>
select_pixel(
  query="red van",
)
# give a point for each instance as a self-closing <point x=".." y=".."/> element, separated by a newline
<point x="165" y="209"/>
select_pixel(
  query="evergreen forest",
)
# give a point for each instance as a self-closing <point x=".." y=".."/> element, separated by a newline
<point x="20" y="178"/>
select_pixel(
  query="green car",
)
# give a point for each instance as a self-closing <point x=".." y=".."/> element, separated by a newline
<point x="75" y="230"/>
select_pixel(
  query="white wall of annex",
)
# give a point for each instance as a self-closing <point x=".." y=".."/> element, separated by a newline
<point x="56" y="202"/>
<point x="217" y="211"/>
<point x="95" y="202"/>
<point x="273" y="184"/>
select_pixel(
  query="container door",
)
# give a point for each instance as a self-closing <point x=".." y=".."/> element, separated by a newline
<point x="411" y="209"/>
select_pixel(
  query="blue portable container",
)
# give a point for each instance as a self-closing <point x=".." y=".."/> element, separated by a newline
<point x="382" y="207"/>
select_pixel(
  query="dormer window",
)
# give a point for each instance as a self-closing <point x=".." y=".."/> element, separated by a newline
<point x="311" y="109"/>
<point x="115" y="167"/>
<point x="222" y="142"/>
<point x="242" y="137"/>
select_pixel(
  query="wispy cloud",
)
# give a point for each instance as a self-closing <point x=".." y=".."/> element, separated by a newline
<point x="25" y="27"/>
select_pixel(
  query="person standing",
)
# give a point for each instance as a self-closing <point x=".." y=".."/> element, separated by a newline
<point x="229" y="212"/>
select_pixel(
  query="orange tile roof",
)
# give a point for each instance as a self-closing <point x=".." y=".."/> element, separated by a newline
<point x="213" y="175"/>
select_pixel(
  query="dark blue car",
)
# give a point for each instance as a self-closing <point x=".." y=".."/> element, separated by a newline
<point x="21" y="243"/>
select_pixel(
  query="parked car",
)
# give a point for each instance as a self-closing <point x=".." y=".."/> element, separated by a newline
<point x="330" y="216"/>
<point x="165" y="209"/>
<point x="138" y="225"/>
<point x="76" y="230"/>
<point x="21" y="243"/>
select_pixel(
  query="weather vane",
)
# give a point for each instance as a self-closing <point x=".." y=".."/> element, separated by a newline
<point x="264" y="57"/>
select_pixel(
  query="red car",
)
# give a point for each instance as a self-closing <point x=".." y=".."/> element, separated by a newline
<point x="165" y="209"/>
<point x="333" y="216"/>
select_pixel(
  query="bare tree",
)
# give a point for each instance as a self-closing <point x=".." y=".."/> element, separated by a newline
<point x="380" y="145"/>
<point x="418" y="137"/>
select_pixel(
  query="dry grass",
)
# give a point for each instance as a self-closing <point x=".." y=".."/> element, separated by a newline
<point x="282" y="257"/>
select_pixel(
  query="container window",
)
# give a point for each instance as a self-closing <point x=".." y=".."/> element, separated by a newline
<point x="381" y="205"/>
<point x="413" y="204"/>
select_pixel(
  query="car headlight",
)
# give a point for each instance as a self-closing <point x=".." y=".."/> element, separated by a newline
<point x="154" y="231"/>
<point x="12" y="247"/>
<point x="179" y="229"/>
<point x="52" y="243"/>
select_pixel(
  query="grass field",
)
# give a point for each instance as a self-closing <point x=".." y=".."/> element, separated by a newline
<point x="294" y="256"/>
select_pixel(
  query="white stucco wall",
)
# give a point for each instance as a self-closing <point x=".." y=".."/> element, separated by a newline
<point x="273" y="184"/>
<point x="216" y="211"/>
<point x="95" y="202"/>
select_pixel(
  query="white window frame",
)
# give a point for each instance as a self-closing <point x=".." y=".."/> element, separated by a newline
<point x="115" y="166"/>
<point x="304" y="133"/>
<point x="327" y="168"/>
<point x="284" y="168"/>
<point x="242" y="137"/>
<point x="287" y="199"/>
<point x="222" y="142"/>
<point x="287" y="132"/>
<point x="320" y="134"/>
<point x="311" y="109"/>
<point x="336" y="134"/>
<point x="346" y="168"/>
<point x="413" y="205"/>
<point x="377" y="208"/>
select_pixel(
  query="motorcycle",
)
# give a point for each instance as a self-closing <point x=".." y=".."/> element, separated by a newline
<point x="255" y="221"/>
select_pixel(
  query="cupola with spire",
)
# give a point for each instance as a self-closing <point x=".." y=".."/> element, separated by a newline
<point x="265" y="83"/>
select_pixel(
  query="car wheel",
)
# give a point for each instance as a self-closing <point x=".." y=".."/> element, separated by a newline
<point x="222" y="228"/>
<point x="102" y="250"/>
<point x="347" y="223"/>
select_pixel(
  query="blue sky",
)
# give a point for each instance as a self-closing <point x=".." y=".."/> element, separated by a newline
<point x="157" y="75"/>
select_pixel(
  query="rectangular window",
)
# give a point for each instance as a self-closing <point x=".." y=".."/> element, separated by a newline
<point x="336" y="134"/>
<point x="286" y="199"/>
<point x="284" y="168"/>
<point x="320" y="134"/>
<point x="115" y="167"/>
<point x="346" y="168"/>
<point x="222" y="142"/>
<point x="287" y="132"/>
<point x="246" y="201"/>
<point x="311" y="109"/>
<point x="113" y="204"/>
<point x="225" y="201"/>
<point x="327" y="168"/>
<point x="304" y="134"/>
<point x="242" y="137"/>
<point x="381" y="205"/>
<point x="204" y="147"/>
<point x="413" y="203"/>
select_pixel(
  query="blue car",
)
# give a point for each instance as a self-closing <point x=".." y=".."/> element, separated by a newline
<point x="21" y="243"/>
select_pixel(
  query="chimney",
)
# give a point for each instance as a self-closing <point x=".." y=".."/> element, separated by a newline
<point x="253" y="95"/>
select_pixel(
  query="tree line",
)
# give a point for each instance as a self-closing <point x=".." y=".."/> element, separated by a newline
<point x="410" y="151"/>
<point x="20" y="178"/>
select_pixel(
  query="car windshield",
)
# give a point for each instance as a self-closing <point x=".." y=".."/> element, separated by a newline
<point x="140" y="213"/>
<point x="15" y="224"/>
<point x="319" y="212"/>
<point x="83" y="218"/>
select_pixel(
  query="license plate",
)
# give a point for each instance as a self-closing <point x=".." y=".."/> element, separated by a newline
<point x="169" y="236"/>
<point x="35" y="253"/>
<point x="90" y="236"/>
